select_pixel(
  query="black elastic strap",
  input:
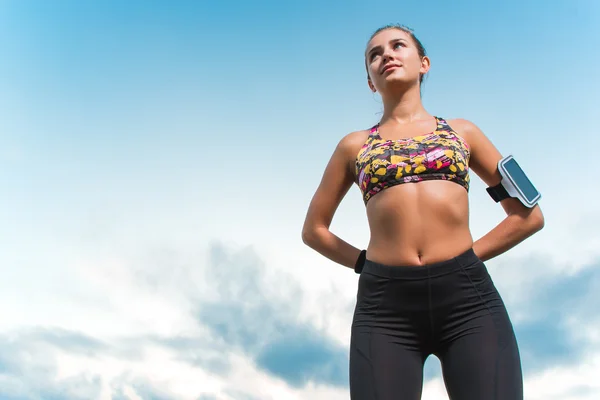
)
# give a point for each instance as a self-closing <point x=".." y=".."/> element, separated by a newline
<point x="498" y="192"/>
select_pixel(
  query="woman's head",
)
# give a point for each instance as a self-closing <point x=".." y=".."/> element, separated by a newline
<point x="393" y="57"/>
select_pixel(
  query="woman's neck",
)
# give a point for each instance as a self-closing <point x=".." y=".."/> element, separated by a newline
<point x="405" y="107"/>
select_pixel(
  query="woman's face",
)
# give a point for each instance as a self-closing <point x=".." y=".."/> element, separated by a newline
<point x="393" y="58"/>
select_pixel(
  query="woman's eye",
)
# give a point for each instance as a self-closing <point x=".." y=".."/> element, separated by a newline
<point x="396" y="45"/>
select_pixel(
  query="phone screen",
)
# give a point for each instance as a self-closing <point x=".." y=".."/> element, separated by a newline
<point x="521" y="180"/>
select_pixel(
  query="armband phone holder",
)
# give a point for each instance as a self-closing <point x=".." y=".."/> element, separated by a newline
<point x="514" y="184"/>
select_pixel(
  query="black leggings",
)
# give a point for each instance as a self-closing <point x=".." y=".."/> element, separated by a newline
<point x="450" y="309"/>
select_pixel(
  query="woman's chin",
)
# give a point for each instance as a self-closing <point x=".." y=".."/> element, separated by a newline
<point x="396" y="81"/>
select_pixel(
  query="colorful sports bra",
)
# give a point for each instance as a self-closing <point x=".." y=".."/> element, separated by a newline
<point x="441" y="154"/>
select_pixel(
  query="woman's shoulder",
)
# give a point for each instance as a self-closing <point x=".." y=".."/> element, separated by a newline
<point x="356" y="137"/>
<point x="351" y="142"/>
<point x="461" y="124"/>
<point x="465" y="128"/>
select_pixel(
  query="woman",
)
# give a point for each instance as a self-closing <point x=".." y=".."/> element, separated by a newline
<point x="424" y="288"/>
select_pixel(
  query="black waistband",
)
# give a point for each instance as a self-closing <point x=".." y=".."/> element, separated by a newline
<point x="423" y="271"/>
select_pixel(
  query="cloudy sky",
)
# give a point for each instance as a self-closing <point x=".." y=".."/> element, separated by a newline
<point x="157" y="159"/>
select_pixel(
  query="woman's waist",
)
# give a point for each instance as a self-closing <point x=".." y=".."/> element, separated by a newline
<point x="418" y="247"/>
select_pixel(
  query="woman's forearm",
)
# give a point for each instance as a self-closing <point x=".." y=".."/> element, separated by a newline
<point x="331" y="246"/>
<point x="511" y="231"/>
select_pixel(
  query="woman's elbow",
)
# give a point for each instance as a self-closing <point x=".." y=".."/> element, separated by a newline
<point x="311" y="236"/>
<point x="537" y="221"/>
<point x="308" y="235"/>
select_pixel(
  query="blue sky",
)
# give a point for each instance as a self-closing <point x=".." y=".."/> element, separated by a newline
<point x="157" y="159"/>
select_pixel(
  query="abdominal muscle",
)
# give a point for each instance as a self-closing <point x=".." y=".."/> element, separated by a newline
<point x="418" y="223"/>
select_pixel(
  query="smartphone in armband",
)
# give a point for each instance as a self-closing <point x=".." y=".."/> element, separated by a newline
<point x="514" y="183"/>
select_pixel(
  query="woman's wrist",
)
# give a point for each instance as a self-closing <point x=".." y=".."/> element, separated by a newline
<point x="360" y="262"/>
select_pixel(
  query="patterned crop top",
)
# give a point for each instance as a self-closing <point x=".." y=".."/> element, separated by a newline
<point x="441" y="154"/>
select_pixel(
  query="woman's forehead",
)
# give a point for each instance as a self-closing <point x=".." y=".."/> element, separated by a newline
<point x="386" y="36"/>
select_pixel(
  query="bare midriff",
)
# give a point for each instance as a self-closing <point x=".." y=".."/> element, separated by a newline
<point x="420" y="223"/>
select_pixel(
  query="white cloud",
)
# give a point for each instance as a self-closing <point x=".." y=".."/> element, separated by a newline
<point x="142" y="305"/>
<point x="578" y="382"/>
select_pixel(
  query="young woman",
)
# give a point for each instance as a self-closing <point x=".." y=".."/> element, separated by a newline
<point x="424" y="288"/>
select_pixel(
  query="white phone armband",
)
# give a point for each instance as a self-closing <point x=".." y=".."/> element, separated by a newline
<point x="514" y="183"/>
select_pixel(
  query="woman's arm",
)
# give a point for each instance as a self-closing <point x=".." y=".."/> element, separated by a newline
<point x="335" y="183"/>
<point x="520" y="222"/>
